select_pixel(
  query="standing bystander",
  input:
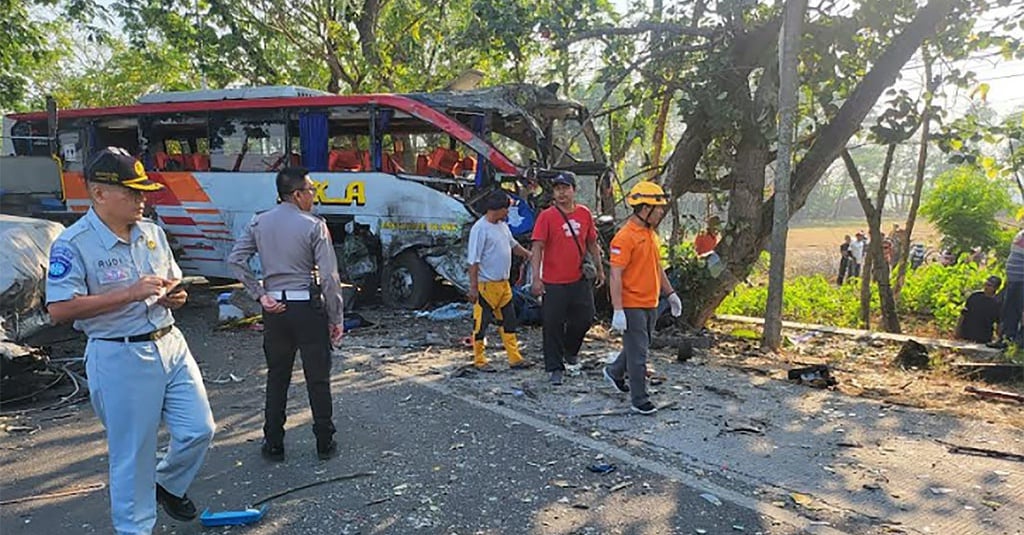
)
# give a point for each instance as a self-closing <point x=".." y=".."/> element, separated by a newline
<point x="637" y="278"/>
<point x="302" y="306"/>
<point x="112" y="272"/>
<point x="491" y="245"/>
<point x="557" y="266"/>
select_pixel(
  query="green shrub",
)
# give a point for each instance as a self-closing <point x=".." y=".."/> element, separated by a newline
<point x="930" y="291"/>
<point x="963" y="206"/>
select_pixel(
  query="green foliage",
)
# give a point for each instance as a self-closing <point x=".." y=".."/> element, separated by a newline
<point x="810" y="299"/>
<point x="25" y="47"/>
<point x="963" y="206"/>
<point x="940" y="291"/>
<point x="931" y="291"/>
<point x="687" y="273"/>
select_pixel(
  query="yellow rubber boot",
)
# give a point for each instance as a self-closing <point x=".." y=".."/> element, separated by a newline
<point x="511" y="347"/>
<point x="479" y="359"/>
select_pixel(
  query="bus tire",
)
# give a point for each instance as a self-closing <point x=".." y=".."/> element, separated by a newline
<point x="408" y="281"/>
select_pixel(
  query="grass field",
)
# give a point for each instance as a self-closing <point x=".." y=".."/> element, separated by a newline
<point x="813" y="248"/>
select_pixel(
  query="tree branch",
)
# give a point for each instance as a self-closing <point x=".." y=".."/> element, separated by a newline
<point x="643" y="27"/>
<point x="847" y="121"/>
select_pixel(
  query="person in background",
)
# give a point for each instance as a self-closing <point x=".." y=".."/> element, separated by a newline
<point x="113" y="273"/>
<point x="302" y="306"/>
<point x="491" y="246"/>
<point x="707" y="240"/>
<point x="1013" y="295"/>
<point x="980" y="313"/>
<point x="857" y="249"/>
<point x="845" y="260"/>
<point x="637" y="279"/>
<point x="560" y="236"/>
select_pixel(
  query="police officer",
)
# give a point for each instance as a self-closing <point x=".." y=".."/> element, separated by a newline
<point x="112" y="272"/>
<point x="299" y="313"/>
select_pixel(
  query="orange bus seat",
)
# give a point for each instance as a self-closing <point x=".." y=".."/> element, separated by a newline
<point x="390" y="164"/>
<point x="160" y="160"/>
<point x="443" y="160"/>
<point x="421" y="165"/>
<point x="197" y="162"/>
<point x="344" y="160"/>
<point x="364" y="159"/>
<point x="468" y="165"/>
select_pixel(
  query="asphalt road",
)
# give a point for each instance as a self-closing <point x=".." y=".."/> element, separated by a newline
<point x="425" y="460"/>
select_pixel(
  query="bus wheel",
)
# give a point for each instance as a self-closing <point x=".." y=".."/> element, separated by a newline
<point x="408" y="281"/>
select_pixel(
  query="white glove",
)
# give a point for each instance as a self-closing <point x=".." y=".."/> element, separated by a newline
<point x="676" y="304"/>
<point x="619" y="321"/>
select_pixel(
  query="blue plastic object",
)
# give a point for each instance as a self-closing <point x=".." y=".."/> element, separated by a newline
<point x="601" y="468"/>
<point x="232" y="518"/>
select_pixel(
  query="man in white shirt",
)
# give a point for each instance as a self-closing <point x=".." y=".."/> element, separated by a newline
<point x="857" y="252"/>
<point x="491" y="246"/>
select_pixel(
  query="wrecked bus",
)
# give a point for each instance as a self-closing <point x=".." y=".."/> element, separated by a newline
<point x="396" y="175"/>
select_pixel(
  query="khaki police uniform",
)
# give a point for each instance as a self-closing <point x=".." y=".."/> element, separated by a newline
<point x="290" y="244"/>
<point x="139" y="366"/>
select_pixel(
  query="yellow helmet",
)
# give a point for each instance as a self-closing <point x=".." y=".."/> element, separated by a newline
<point x="646" y="192"/>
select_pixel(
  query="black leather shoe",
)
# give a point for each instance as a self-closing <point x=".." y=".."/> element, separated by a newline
<point x="272" y="453"/>
<point x="326" y="451"/>
<point x="181" y="509"/>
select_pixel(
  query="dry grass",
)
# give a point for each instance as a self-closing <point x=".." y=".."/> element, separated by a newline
<point x="814" y="249"/>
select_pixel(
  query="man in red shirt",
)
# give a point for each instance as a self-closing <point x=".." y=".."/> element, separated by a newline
<point x="707" y="240"/>
<point x="560" y="236"/>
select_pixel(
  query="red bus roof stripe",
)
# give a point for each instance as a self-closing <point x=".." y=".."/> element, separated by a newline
<point x="406" y="104"/>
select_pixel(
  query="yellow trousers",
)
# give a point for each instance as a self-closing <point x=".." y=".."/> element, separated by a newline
<point x="495" y="301"/>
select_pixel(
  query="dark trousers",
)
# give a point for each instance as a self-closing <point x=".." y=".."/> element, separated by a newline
<point x="568" y="313"/>
<point x="632" y="360"/>
<point x="1013" y="307"/>
<point x="844" y="267"/>
<point x="302" y="328"/>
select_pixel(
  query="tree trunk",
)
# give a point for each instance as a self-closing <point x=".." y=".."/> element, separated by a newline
<point x="788" y="86"/>
<point x="922" y="161"/>
<point x="875" y="267"/>
<point x="750" y="217"/>
<point x="865" y="291"/>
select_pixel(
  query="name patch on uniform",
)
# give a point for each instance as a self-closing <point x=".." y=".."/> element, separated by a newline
<point x="114" y="274"/>
<point x="60" y="262"/>
<point x="615" y="250"/>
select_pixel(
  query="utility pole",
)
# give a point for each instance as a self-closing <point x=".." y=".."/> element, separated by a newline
<point x="789" y="50"/>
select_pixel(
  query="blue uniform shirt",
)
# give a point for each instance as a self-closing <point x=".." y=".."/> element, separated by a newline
<point x="89" y="259"/>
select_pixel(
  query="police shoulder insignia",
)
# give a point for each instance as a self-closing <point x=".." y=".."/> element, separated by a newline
<point x="60" y="262"/>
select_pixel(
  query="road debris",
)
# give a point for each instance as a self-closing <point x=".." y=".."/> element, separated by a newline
<point x="994" y="394"/>
<point x="712" y="499"/>
<point x="913" y="355"/>
<point x="620" y="486"/>
<point x="982" y="452"/>
<point x="335" y="479"/>
<point x="60" y="494"/>
<point x="817" y="376"/>
<point x="602" y="468"/>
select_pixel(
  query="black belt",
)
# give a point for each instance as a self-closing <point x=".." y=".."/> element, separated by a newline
<point x="148" y="337"/>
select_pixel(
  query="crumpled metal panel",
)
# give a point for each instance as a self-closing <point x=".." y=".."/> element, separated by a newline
<point x="23" y="266"/>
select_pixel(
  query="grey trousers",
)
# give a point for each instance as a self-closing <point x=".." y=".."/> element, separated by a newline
<point x="632" y="360"/>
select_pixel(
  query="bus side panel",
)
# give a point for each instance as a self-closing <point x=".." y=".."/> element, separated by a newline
<point x="203" y="213"/>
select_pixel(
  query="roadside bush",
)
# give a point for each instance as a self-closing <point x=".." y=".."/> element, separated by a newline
<point x="811" y="299"/>
<point x="931" y="291"/>
<point x="963" y="206"/>
<point x="940" y="291"/>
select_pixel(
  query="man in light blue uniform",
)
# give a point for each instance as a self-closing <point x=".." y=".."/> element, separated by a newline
<point x="113" y="274"/>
